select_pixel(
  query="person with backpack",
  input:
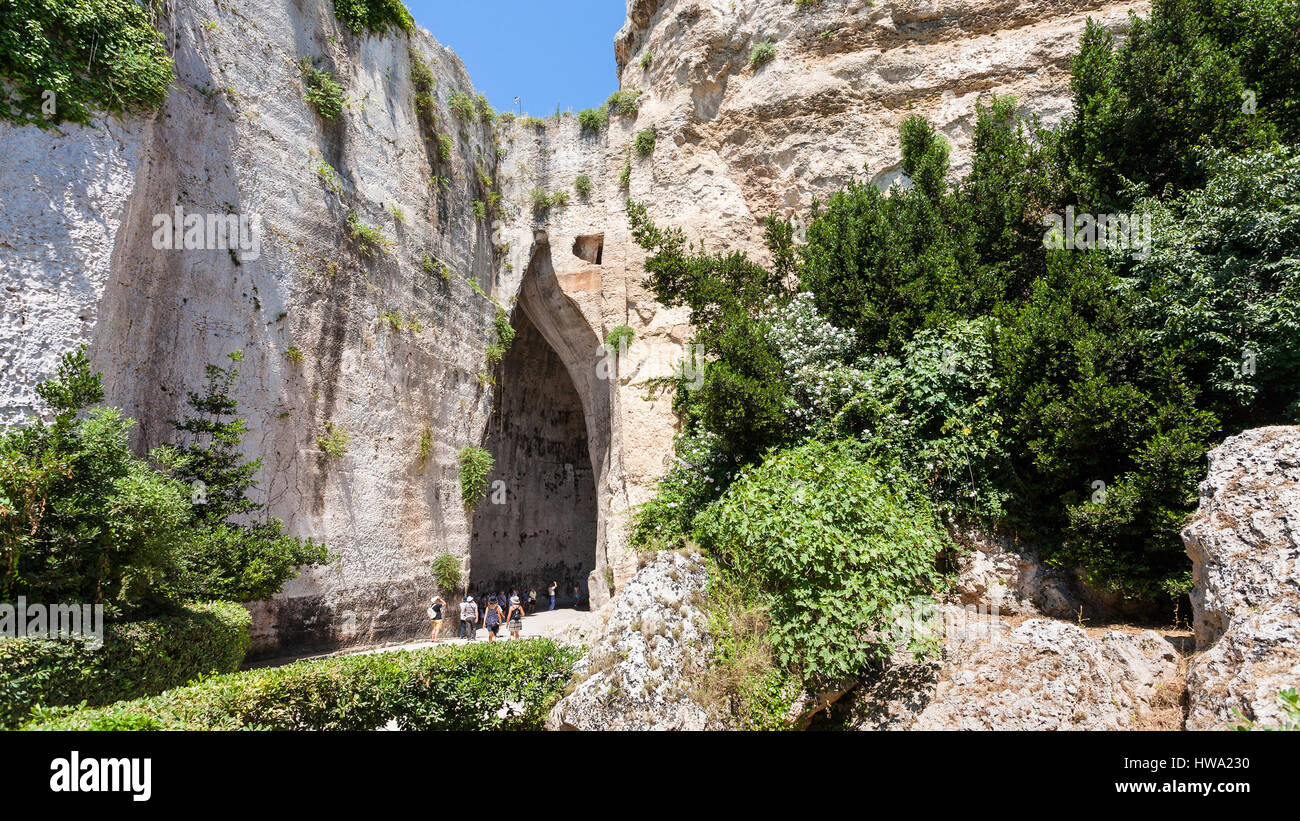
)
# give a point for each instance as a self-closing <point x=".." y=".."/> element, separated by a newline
<point x="468" y="618"/>
<point x="492" y="618"/>
<point x="435" y="613"/>
<point x="551" y="592"/>
<point x="515" y="618"/>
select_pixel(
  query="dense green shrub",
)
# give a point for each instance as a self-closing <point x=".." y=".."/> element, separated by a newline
<point x="1222" y="284"/>
<point x="582" y="184"/>
<point x="833" y="544"/>
<point x="81" y="518"/>
<point x="619" y="338"/>
<point x="104" y="55"/>
<point x="1087" y="399"/>
<point x="885" y="264"/>
<point x="322" y="92"/>
<point x="487" y="686"/>
<point x="593" y="120"/>
<point x="377" y="16"/>
<point x="1220" y="72"/>
<point x="141" y="658"/>
<point x="645" y="142"/>
<point x="625" y="101"/>
<point x="446" y="572"/>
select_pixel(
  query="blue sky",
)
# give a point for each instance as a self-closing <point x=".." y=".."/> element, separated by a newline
<point x="545" y="51"/>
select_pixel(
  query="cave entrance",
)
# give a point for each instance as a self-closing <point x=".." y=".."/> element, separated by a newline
<point x="540" y="520"/>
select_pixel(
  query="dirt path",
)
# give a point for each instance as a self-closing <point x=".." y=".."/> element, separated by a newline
<point x="566" y="624"/>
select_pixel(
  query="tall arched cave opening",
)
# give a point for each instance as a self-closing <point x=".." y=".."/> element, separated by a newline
<point x="540" y="521"/>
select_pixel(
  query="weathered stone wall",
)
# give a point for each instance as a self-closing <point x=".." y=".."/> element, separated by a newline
<point x="236" y="136"/>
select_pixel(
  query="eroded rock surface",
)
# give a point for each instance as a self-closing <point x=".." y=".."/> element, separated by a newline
<point x="1010" y="579"/>
<point x="1041" y="675"/>
<point x="1245" y="547"/>
<point x="636" y="676"/>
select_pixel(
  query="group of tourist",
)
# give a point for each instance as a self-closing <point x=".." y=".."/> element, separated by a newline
<point x="492" y="611"/>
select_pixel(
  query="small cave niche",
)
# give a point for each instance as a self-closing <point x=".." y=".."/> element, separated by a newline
<point x="590" y="247"/>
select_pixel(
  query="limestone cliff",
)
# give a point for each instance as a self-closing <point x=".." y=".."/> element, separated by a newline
<point x="394" y="342"/>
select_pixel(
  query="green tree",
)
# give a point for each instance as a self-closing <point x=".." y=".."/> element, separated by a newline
<point x="233" y="552"/>
<point x="81" y="518"/>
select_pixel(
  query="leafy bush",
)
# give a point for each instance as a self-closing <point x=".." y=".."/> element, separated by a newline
<point x="593" y="120"/>
<point x="377" y="16"/>
<point x="625" y="101"/>
<point x="104" y="55"/>
<point x="582" y="184"/>
<point x="462" y="105"/>
<point x="619" y="338"/>
<point x="444" y="150"/>
<point x="370" y="241"/>
<point x="762" y="54"/>
<point x="475" y="466"/>
<point x="483" y="686"/>
<point x="625" y="176"/>
<point x="446" y="572"/>
<point x="1222" y="283"/>
<point x="645" y="142"/>
<point x="322" y="91"/>
<point x="1190" y="73"/>
<point x="833" y="544"/>
<point x="139" y="658"/>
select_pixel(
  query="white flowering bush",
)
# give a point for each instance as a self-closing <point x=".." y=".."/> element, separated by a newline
<point x="813" y="353"/>
<point x="928" y="412"/>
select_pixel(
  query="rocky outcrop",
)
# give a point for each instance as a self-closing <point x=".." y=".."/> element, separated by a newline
<point x="1244" y="543"/>
<point x="639" y="674"/>
<point x="1040" y="675"/>
<point x="1005" y="577"/>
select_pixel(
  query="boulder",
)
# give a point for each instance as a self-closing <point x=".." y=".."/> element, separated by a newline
<point x="656" y="641"/>
<point x="1244" y="542"/>
<point x="1040" y="675"/>
<point x="1009" y="578"/>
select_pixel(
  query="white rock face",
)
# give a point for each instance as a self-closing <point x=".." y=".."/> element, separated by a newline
<point x="656" y="641"/>
<point x="1245" y="547"/>
<point x="1042" y="675"/>
<point x="78" y="262"/>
